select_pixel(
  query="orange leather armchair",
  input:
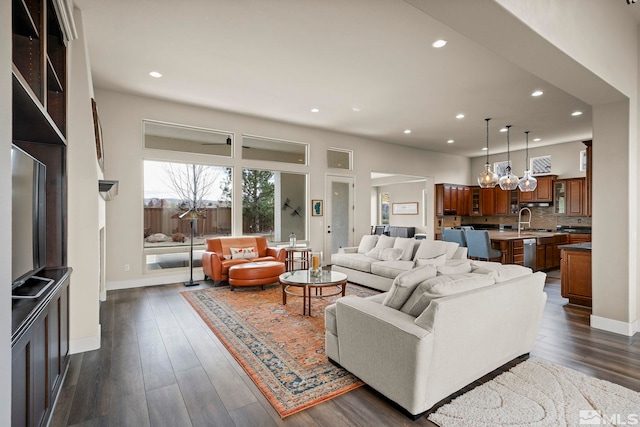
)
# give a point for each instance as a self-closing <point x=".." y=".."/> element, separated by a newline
<point x="216" y="258"/>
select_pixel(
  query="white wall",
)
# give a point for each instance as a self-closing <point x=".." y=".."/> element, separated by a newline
<point x="407" y="192"/>
<point x="5" y="221"/>
<point x="85" y="206"/>
<point x="122" y="115"/>
<point x="564" y="159"/>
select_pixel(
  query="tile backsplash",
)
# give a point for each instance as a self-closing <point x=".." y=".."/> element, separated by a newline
<point x="542" y="218"/>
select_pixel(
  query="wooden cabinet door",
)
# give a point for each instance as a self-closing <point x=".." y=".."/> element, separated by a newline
<point x="544" y="190"/>
<point x="575" y="197"/>
<point x="526" y="196"/>
<point x="540" y="258"/>
<point x="576" y="276"/>
<point x="463" y="201"/>
<point x="447" y="199"/>
<point x="502" y="201"/>
<point x="488" y="201"/>
<point x="475" y="201"/>
<point x="439" y="199"/>
<point x="453" y="195"/>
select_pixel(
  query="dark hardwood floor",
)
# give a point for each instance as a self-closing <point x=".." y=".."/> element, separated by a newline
<point x="160" y="365"/>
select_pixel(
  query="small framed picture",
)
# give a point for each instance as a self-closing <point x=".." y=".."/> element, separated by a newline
<point x="404" y="208"/>
<point x="317" y="207"/>
<point x="583" y="160"/>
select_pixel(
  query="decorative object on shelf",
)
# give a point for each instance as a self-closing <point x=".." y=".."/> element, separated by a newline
<point x="509" y="181"/>
<point x="316" y="264"/>
<point x="292" y="240"/>
<point x="487" y="178"/>
<point x="527" y="182"/>
<point x="97" y="128"/>
<point x="404" y="208"/>
<point x="317" y="208"/>
<point x="192" y="216"/>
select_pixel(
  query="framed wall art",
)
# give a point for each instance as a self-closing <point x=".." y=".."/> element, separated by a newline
<point x="317" y="208"/>
<point x="404" y="208"/>
<point x="97" y="129"/>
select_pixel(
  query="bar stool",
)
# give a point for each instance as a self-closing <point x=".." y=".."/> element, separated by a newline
<point x="454" y="235"/>
<point x="479" y="245"/>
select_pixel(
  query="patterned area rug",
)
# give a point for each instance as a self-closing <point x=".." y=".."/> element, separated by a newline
<point x="282" y="351"/>
<point x="536" y="393"/>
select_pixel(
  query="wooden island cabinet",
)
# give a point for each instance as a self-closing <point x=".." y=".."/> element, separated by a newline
<point x="575" y="273"/>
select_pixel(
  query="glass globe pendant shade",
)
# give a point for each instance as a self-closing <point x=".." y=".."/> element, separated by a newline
<point x="487" y="179"/>
<point x="508" y="181"/>
<point x="527" y="182"/>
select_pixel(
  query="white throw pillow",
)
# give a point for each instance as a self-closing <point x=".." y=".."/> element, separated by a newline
<point x="464" y="266"/>
<point x="367" y="243"/>
<point x="405" y="283"/>
<point x="509" y="272"/>
<point x="406" y="244"/>
<point x="385" y="242"/>
<point x="386" y="254"/>
<point x="436" y="261"/>
<point x="246" y="253"/>
<point x="433" y="248"/>
<point x="442" y="286"/>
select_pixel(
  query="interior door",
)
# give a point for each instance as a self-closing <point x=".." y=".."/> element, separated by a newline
<point x="339" y="213"/>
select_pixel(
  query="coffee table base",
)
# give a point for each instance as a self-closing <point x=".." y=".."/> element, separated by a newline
<point x="306" y="293"/>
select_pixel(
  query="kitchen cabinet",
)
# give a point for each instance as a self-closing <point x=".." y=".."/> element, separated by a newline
<point x="452" y="199"/>
<point x="589" y="178"/>
<point x="569" y="196"/>
<point x="506" y="202"/>
<point x="548" y="252"/>
<point x="575" y="273"/>
<point x="543" y="192"/>
<point x="488" y="202"/>
<point x="475" y="202"/>
<point x="579" y="238"/>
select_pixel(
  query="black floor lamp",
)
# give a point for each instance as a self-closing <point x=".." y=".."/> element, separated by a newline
<point x="192" y="215"/>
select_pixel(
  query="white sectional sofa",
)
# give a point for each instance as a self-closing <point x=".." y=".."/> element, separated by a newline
<point x="432" y="335"/>
<point x="378" y="260"/>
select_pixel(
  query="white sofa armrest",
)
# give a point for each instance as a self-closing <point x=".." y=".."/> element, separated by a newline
<point x="461" y="253"/>
<point x="384" y="348"/>
<point x="348" y="250"/>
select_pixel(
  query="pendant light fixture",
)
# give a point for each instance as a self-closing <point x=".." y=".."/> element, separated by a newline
<point x="527" y="182"/>
<point x="509" y="181"/>
<point x="487" y="178"/>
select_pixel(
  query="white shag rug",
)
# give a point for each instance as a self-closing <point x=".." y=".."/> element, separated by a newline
<point x="536" y="393"/>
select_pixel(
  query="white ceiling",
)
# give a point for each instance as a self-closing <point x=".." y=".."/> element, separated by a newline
<point x="279" y="59"/>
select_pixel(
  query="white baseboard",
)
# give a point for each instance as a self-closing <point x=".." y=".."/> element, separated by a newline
<point x="615" y="326"/>
<point x="81" y="345"/>
<point x="153" y="280"/>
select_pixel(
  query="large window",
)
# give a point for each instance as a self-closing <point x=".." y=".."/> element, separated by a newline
<point x="273" y="204"/>
<point x="171" y="189"/>
<point x="187" y="139"/>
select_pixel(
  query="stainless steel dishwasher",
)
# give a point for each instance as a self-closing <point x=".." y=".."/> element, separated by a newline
<point x="530" y="253"/>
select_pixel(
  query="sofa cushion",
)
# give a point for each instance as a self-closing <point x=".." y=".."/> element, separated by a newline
<point x="386" y="254"/>
<point x="367" y="243"/>
<point x="359" y="262"/>
<point x="330" y="322"/>
<point x="505" y="272"/>
<point x="391" y="269"/>
<point x="442" y="286"/>
<point x="435" y="261"/>
<point x="406" y="244"/>
<point x="385" y="242"/>
<point x="454" y="266"/>
<point x="405" y="283"/>
<point x="486" y="265"/>
<point x="243" y="253"/>
<point x="433" y="248"/>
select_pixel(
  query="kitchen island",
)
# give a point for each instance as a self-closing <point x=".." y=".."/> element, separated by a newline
<point x="576" y="273"/>
<point x="546" y="247"/>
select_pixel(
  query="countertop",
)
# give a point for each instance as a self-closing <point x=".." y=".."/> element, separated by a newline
<point x="513" y="235"/>
<point x="586" y="246"/>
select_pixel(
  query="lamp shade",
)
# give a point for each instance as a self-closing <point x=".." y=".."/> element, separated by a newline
<point x="487" y="179"/>
<point x="527" y="182"/>
<point x="508" y="181"/>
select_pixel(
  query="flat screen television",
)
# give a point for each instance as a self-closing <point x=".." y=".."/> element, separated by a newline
<point x="28" y="217"/>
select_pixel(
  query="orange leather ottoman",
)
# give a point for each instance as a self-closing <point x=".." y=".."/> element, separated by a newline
<point x="255" y="273"/>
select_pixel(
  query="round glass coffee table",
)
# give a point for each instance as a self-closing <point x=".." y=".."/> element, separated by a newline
<point x="303" y="279"/>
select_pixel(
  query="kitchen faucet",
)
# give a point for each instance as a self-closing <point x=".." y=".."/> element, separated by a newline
<point x="520" y="222"/>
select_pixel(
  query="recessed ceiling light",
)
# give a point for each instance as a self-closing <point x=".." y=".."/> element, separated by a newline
<point x="155" y="74"/>
<point x="537" y="93"/>
<point x="484" y="148"/>
<point x="315" y="110"/>
<point x="503" y="130"/>
<point x="356" y="109"/>
<point x="537" y="139"/>
<point x="576" y="113"/>
<point x="407" y="131"/>
<point x="439" y="43"/>
<point x="451" y="141"/>
<point x="460" y="116"/>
